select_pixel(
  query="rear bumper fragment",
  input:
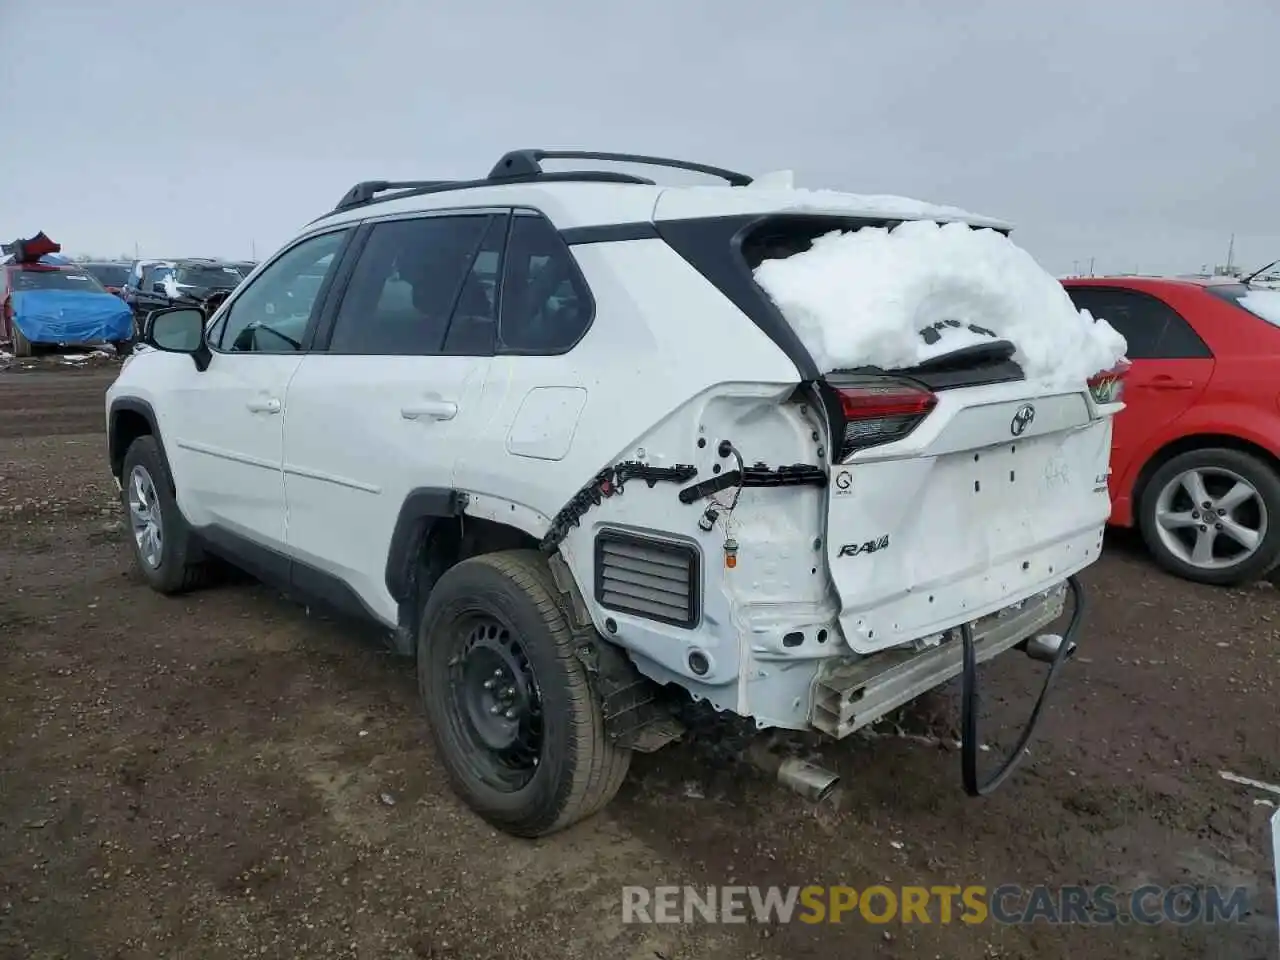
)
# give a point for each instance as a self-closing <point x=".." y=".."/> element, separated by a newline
<point x="851" y="694"/>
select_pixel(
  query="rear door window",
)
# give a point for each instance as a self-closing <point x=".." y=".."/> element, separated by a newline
<point x="1152" y="328"/>
<point x="418" y="282"/>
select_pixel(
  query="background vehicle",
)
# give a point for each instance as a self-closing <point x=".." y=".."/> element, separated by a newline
<point x="154" y="284"/>
<point x="1195" y="462"/>
<point x="424" y="407"/>
<point x="110" y="273"/>
<point x="59" y="304"/>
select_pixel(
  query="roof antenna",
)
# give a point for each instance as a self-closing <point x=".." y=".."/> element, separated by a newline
<point x="1246" y="281"/>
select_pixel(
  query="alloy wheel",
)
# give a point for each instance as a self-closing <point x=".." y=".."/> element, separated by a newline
<point x="1211" y="518"/>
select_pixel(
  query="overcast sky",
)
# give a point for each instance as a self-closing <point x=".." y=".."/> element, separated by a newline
<point x="1139" y="133"/>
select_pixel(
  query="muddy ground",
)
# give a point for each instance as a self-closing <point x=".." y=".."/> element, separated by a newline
<point x="226" y="776"/>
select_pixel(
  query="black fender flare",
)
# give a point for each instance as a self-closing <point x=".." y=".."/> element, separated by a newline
<point x="148" y="413"/>
<point x="421" y="508"/>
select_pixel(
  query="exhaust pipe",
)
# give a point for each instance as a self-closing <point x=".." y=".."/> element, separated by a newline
<point x="810" y="781"/>
<point x="1045" y="647"/>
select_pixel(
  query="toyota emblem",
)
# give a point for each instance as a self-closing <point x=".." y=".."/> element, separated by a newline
<point x="1022" y="419"/>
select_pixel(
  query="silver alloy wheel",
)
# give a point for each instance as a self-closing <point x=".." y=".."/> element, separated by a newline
<point x="1211" y="518"/>
<point x="145" y="518"/>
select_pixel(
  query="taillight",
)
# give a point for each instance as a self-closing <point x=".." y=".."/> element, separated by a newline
<point x="1108" y="386"/>
<point x="879" y="411"/>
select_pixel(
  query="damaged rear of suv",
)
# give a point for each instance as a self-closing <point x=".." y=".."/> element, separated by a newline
<point x="634" y="470"/>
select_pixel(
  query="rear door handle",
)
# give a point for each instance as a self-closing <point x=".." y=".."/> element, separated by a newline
<point x="269" y="405"/>
<point x="430" y="410"/>
<point x="1168" y="383"/>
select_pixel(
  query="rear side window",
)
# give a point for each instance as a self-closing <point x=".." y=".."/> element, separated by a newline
<point x="546" y="306"/>
<point x="1262" y="302"/>
<point x="411" y="277"/>
<point x="1152" y="328"/>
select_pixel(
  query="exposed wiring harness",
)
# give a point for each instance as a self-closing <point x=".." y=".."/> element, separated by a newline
<point x="969" y="701"/>
<point x="723" y="512"/>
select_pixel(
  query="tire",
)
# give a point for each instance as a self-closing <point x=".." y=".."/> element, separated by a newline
<point x="1171" y="523"/>
<point x="179" y="565"/>
<point x="21" y="345"/>
<point x="481" y="605"/>
<point x="122" y="347"/>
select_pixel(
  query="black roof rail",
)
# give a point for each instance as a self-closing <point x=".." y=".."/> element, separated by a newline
<point x="366" y="192"/>
<point x="527" y="163"/>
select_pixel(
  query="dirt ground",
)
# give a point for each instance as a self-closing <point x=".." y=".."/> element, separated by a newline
<point x="225" y="775"/>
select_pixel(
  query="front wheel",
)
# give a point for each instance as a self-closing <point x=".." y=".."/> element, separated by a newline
<point x="517" y="728"/>
<point x="162" y="545"/>
<point x="1213" y="516"/>
<point x="21" y="345"/>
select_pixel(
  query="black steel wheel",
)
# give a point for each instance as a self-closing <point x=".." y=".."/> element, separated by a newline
<point x="516" y="725"/>
<point x="496" y="706"/>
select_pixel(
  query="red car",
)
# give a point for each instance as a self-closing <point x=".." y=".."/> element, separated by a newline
<point x="1195" y="456"/>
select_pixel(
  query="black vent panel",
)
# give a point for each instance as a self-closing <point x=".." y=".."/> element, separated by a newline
<point x="650" y="578"/>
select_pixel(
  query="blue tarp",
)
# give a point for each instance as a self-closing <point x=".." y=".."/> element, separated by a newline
<point x="71" y="316"/>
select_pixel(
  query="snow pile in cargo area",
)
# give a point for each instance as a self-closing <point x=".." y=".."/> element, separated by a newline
<point x="871" y="298"/>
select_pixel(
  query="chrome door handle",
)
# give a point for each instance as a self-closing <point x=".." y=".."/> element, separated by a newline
<point x="271" y="405"/>
<point x="430" y="410"/>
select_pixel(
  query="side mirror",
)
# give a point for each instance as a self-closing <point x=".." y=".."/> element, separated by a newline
<point x="179" y="330"/>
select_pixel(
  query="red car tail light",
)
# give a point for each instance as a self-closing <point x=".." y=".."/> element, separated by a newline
<point x="878" y="411"/>
<point x="1108" y="386"/>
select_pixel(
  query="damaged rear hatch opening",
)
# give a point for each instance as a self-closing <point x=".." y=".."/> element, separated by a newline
<point x="968" y="405"/>
<point x="969" y="408"/>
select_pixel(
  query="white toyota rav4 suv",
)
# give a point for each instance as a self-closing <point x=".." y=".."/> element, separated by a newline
<point x="547" y="429"/>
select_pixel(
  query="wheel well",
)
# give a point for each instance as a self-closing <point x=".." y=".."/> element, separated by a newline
<point x="126" y="427"/>
<point x="446" y="542"/>
<point x="1198" y="441"/>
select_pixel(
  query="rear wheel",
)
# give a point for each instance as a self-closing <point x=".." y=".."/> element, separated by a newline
<point x="518" y="729"/>
<point x="1213" y="516"/>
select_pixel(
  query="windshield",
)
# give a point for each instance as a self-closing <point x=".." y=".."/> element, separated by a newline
<point x="109" y="274"/>
<point x="215" y="277"/>
<point x="1263" y="303"/>
<point x="35" y="278"/>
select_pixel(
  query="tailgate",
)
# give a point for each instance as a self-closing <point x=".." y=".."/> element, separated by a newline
<point x="998" y="494"/>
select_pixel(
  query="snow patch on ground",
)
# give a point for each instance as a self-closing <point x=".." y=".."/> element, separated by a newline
<point x="862" y="299"/>
<point x="1263" y="303"/>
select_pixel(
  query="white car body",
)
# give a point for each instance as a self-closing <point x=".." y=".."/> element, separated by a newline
<point x="820" y="605"/>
